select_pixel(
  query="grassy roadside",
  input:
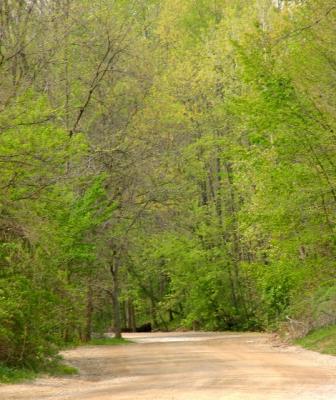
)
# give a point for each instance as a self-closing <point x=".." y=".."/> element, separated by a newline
<point x="17" y="375"/>
<point x="10" y="375"/>
<point x="108" y="342"/>
<point x="14" y="375"/>
<point x="322" y="340"/>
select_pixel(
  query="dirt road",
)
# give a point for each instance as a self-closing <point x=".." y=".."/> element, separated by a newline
<point x="189" y="366"/>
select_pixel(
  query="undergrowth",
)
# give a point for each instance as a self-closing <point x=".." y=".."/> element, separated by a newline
<point x="322" y="340"/>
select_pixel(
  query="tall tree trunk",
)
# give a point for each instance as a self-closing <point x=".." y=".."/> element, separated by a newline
<point x="131" y="316"/>
<point x="114" y="268"/>
<point x="234" y="273"/>
<point x="89" y="312"/>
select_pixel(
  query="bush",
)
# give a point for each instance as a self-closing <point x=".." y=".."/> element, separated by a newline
<point x="27" y="335"/>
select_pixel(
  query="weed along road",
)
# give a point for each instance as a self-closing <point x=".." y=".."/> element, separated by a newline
<point x="188" y="366"/>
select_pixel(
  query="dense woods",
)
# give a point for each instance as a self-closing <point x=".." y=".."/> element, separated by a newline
<point x="164" y="162"/>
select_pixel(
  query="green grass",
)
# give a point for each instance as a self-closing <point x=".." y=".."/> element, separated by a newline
<point x="322" y="340"/>
<point x="56" y="367"/>
<point x="16" y="375"/>
<point x="59" y="368"/>
<point x="108" y="342"/>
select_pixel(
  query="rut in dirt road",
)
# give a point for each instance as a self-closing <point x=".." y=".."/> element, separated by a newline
<point x="189" y="366"/>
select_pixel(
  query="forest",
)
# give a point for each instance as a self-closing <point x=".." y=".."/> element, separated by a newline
<point x="165" y="164"/>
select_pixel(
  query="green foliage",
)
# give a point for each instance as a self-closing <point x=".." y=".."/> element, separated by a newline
<point x="40" y="216"/>
<point x="10" y="375"/>
<point x="14" y="375"/>
<point x="322" y="340"/>
<point x="173" y="158"/>
<point x="26" y="336"/>
<point x="258" y="166"/>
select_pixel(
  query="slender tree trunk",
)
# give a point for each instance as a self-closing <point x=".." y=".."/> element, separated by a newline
<point x="89" y="312"/>
<point x="235" y="253"/>
<point x="153" y="314"/>
<point x="131" y="315"/>
<point x="114" y="268"/>
<point x="219" y="208"/>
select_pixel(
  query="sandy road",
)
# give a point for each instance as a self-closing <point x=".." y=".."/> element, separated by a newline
<point x="189" y="366"/>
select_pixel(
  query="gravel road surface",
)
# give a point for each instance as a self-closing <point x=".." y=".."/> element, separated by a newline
<point x="188" y="366"/>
